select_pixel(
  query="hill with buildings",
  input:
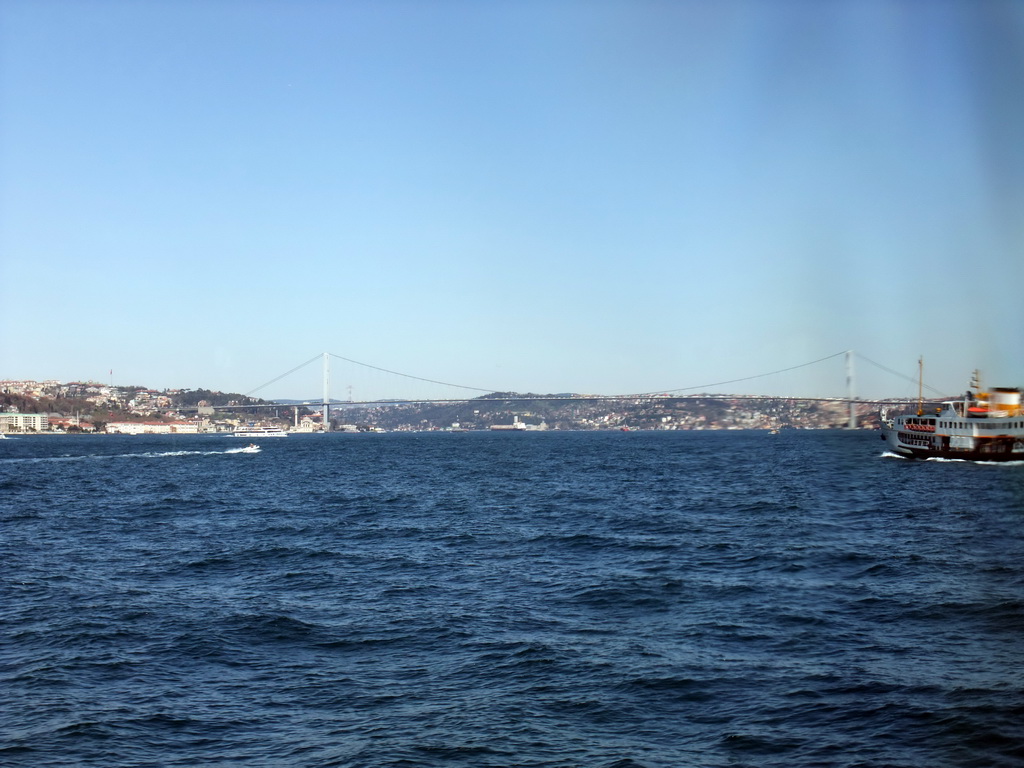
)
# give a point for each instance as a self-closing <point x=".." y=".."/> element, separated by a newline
<point x="89" y="407"/>
<point x="585" y="413"/>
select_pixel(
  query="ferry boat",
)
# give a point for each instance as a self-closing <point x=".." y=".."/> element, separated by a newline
<point x="259" y="432"/>
<point x="983" y="426"/>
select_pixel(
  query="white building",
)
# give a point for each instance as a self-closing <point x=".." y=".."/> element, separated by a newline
<point x="308" y="425"/>
<point x="24" y="422"/>
<point x="153" y="428"/>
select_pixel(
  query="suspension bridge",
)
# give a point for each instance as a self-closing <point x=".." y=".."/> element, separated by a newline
<point x="458" y="393"/>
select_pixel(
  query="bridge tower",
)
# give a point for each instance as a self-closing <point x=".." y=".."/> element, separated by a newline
<point x="327" y="391"/>
<point x="850" y="390"/>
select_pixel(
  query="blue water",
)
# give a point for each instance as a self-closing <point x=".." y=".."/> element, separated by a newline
<point x="542" y="599"/>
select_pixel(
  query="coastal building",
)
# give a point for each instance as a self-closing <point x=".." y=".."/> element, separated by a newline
<point x="152" y="428"/>
<point x="308" y="424"/>
<point x="138" y="428"/>
<point x="60" y="423"/>
<point x="24" y="422"/>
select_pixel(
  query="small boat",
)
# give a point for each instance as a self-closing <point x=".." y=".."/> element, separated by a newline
<point x="259" y="432"/>
<point x="250" y="448"/>
<point x="982" y="426"/>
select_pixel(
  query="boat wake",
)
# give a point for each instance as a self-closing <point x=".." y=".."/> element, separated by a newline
<point x="946" y="460"/>
<point x="145" y="455"/>
<point x="251" y="448"/>
<point x="891" y="455"/>
<point x="986" y="463"/>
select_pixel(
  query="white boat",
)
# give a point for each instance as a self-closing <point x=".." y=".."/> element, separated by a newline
<point x="982" y="426"/>
<point x="251" y="432"/>
<point x="250" y="448"/>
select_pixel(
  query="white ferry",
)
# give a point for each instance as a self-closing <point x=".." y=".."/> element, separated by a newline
<point x="983" y="426"/>
<point x="259" y="432"/>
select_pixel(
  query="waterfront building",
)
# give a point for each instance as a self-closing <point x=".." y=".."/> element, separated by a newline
<point x="24" y="422"/>
<point x="152" y="427"/>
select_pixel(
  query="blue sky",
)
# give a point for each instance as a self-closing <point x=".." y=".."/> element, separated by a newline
<point x="558" y="196"/>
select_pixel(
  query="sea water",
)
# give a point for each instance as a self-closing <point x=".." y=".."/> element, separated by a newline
<point x="626" y="600"/>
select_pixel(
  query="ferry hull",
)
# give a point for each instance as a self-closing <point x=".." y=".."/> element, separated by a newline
<point x="999" y="448"/>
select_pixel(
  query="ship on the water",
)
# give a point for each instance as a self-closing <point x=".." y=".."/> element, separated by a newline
<point x="980" y="426"/>
<point x="254" y="431"/>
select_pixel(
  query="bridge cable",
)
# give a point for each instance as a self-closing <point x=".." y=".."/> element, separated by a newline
<point x="897" y="373"/>
<point x="408" y="376"/>
<point x="293" y="370"/>
<point x="746" y="378"/>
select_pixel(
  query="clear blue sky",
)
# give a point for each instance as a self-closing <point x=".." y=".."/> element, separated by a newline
<point x="536" y="196"/>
